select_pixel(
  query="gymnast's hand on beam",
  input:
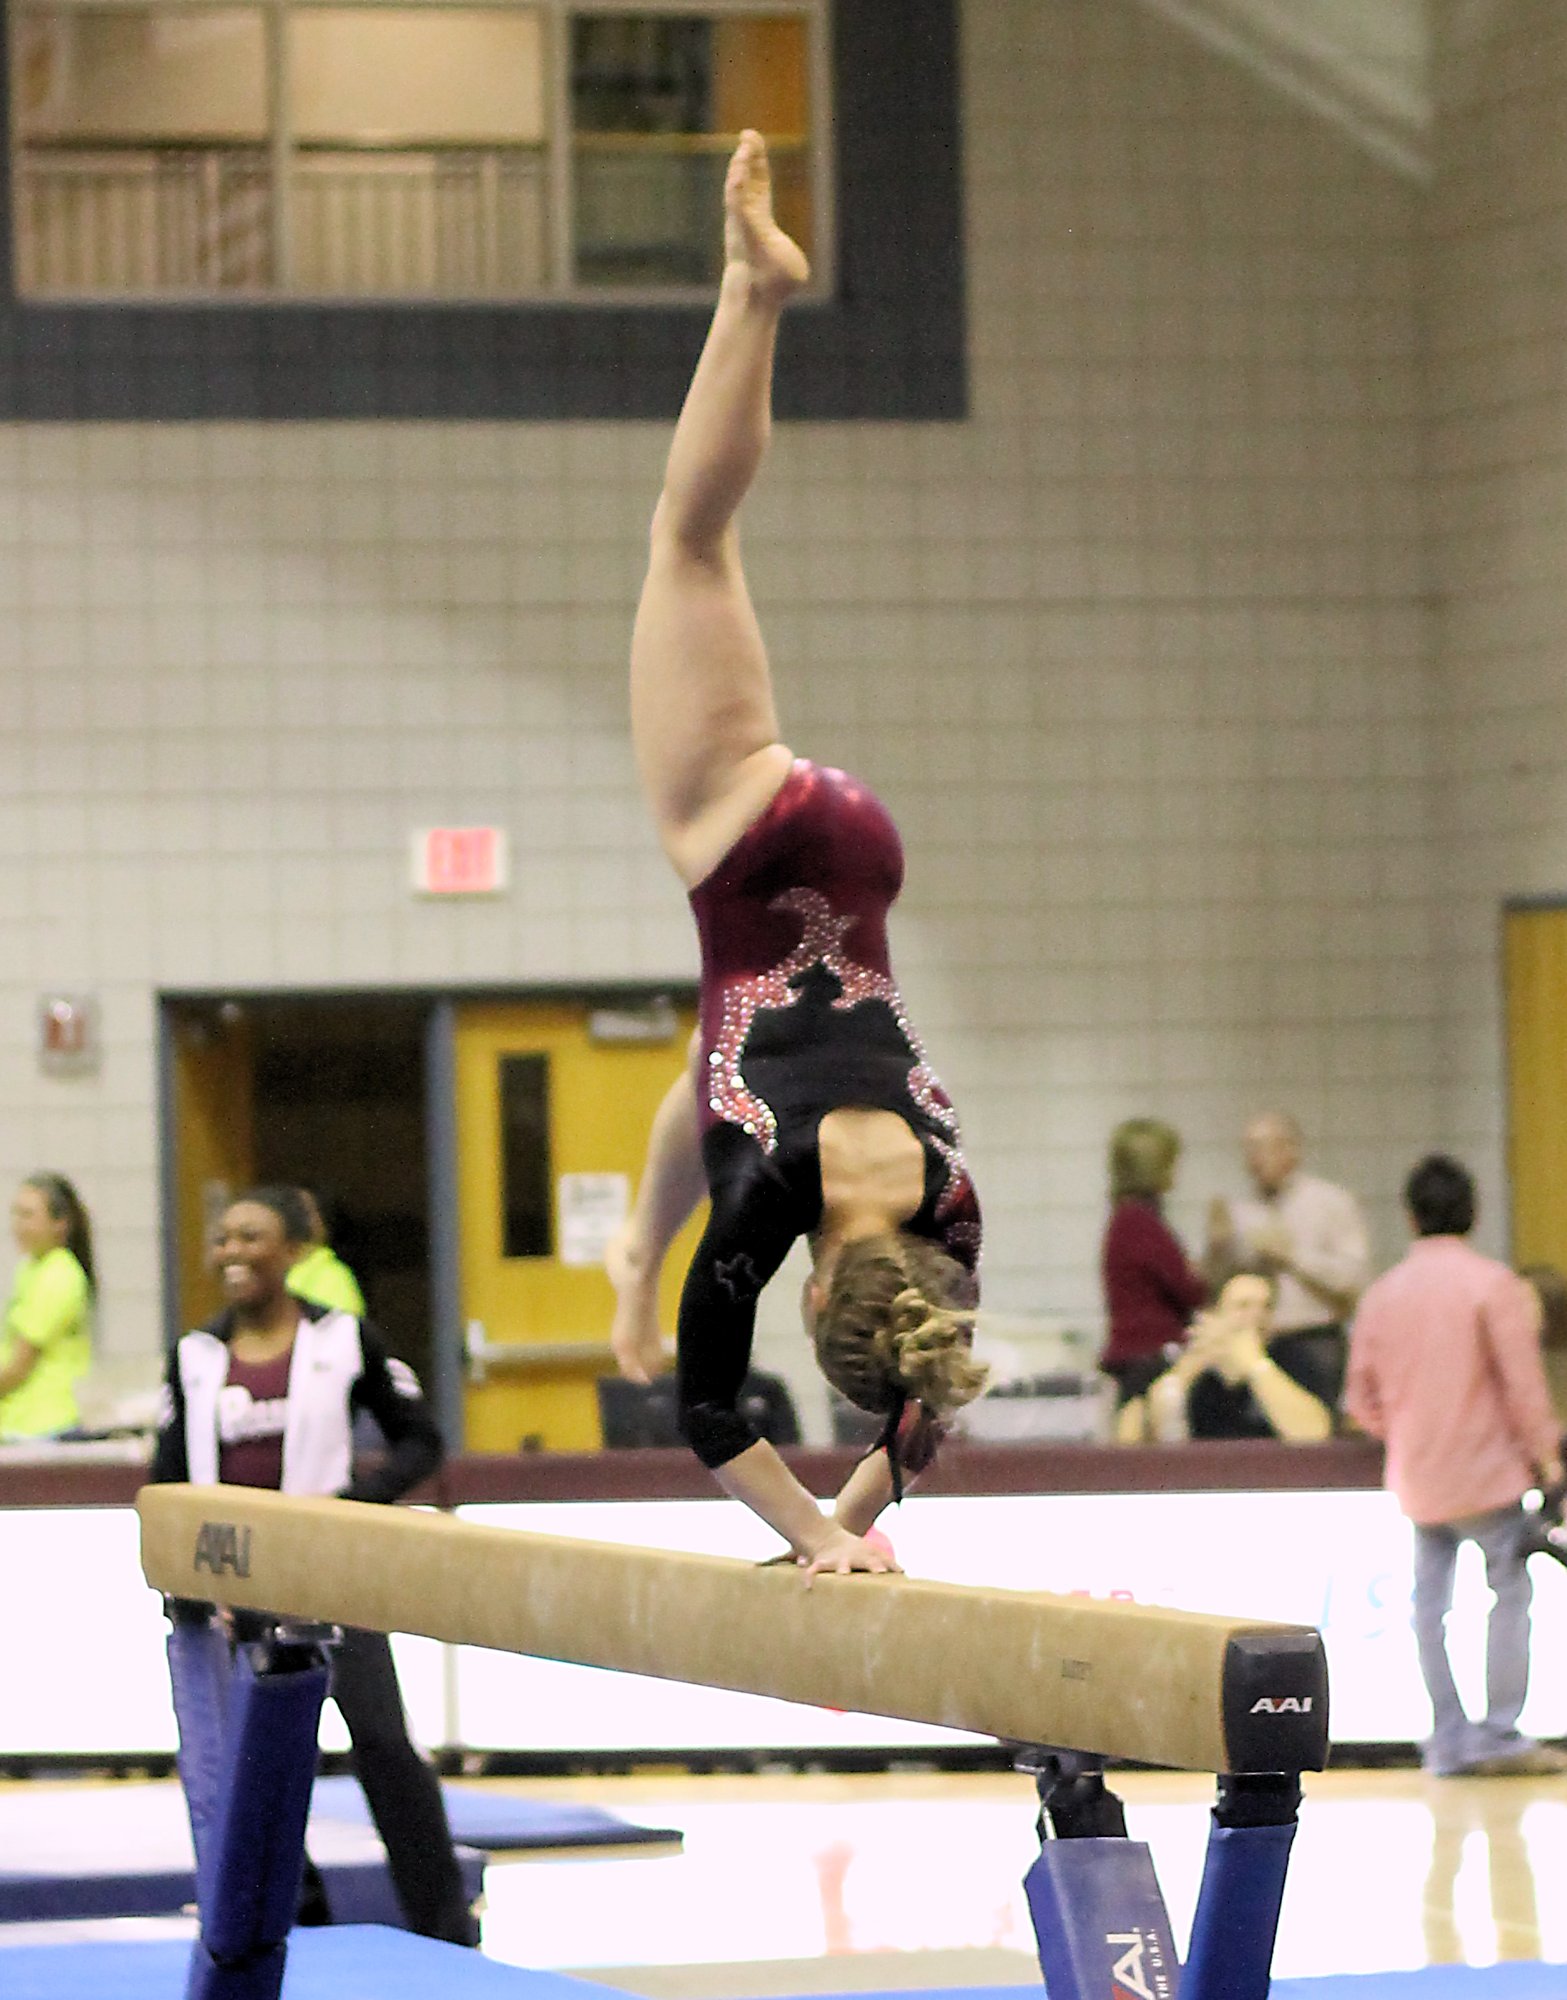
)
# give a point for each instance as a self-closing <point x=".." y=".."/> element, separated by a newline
<point x="840" y="1554"/>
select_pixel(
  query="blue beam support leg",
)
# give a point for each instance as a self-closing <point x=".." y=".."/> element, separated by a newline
<point x="1237" y="1920"/>
<point x="201" y="1677"/>
<point x="1100" y="1922"/>
<point x="1098" y="1914"/>
<point x="247" y="1881"/>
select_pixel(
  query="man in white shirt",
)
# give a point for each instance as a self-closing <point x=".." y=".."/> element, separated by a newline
<point x="1307" y="1233"/>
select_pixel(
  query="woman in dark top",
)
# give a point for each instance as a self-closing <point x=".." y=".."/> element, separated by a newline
<point x="266" y="1395"/>
<point x="1151" y="1291"/>
<point x="809" y="1109"/>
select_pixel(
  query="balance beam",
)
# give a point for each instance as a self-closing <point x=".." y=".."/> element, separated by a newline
<point x="1128" y="1681"/>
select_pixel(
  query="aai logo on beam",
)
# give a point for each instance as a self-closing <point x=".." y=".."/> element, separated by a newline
<point x="222" y="1549"/>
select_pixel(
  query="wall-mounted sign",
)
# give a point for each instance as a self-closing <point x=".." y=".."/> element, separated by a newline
<point x="68" y="1043"/>
<point x="591" y="1207"/>
<point x="460" y="861"/>
<point x="649" y="1021"/>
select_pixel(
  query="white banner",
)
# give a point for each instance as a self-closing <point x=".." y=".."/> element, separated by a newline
<point x="85" y="1667"/>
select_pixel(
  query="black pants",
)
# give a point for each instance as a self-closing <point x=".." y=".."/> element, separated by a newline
<point x="402" y="1790"/>
<point x="1134" y="1377"/>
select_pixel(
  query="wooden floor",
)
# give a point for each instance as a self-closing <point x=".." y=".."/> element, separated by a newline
<point x="794" y="1884"/>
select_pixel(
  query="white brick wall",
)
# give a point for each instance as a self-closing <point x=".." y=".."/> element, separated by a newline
<point x="1140" y="656"/>
<point x="1497" y="234"/>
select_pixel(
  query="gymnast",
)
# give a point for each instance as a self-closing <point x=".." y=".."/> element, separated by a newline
<point x="808" y="1108"/>
<point x="266" y="1395"/>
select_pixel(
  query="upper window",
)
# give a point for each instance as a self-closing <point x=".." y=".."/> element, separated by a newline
<point x="551" y="149"/>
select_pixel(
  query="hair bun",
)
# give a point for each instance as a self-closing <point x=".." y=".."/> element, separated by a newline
<point x="911" y="1312"/>
<point x="899" y="1321"/>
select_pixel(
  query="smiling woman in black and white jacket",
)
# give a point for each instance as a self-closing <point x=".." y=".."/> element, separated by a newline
<point x="266" y="1395"/>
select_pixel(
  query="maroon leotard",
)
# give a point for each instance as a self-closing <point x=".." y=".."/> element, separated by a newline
<point x="799" y="1016"/>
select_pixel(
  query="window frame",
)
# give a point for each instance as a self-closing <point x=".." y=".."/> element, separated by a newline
<point x="558" y="153"/>
<point x="890" y="345"/>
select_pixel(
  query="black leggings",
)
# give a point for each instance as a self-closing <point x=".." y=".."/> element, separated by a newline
<point x="402" y="1790"/>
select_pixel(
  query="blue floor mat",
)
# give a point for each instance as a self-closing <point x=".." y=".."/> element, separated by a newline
<point x="125" y="1852"/>
<point x="368" y="1963"/>
<point x="354" y="1962"/>
<point x="499" y="1820"/>
<point x="1515" y="1980"/>
<point x="358" y="1891"/>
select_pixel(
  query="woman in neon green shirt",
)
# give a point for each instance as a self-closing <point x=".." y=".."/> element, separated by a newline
<point x="46" y="1347"/>
<point x="318" y="1275"/>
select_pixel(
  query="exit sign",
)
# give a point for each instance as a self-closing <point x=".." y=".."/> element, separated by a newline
<point x="459" y="861"/>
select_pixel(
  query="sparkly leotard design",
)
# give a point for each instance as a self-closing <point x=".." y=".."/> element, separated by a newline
<point x="800" y="1016"/>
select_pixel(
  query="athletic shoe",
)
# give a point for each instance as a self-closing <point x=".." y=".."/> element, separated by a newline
<point x="1531" y="1760"/>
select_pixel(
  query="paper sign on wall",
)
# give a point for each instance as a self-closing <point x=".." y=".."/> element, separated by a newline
<point x="591" y="1207"/>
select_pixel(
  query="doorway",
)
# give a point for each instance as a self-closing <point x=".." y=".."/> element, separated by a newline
<point x="321" y="1091"/>
<point x="470" y="1156"/>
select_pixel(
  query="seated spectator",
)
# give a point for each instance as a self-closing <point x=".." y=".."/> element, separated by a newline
<point x="1239" y="1377"/>
<point x="1151" y="1290"/>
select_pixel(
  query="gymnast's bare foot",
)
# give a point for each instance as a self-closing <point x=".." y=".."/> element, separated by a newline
<point x="634" y="1336"/>
<point x="753" y="240"/>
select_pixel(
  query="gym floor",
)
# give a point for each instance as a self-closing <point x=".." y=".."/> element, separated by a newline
<point x="795" y="1884"/>
<point x="791" y="1883"/>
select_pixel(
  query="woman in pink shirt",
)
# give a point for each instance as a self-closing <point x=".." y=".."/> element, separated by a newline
<point x="1445" y="1367"/>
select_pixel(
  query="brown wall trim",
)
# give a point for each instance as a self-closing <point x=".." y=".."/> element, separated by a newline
<point x="1231" y="1467"/>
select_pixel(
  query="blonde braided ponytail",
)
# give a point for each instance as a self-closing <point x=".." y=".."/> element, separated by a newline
<point x="926" y="1349"/>
<point x="898" y="1322"/>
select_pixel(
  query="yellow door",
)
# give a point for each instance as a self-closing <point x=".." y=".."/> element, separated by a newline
<point x="214" y="1143"/>
<point x="554" y="1101"/>
<point x="1535" y="954"/>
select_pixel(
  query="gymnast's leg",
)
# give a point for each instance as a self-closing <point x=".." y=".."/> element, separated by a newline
<point x="402" y="1790"/>
<point x="672" y="1184"/>
<point x="702" y="717"/>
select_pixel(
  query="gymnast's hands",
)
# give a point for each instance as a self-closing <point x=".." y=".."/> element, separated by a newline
<point x="840" y="1554"/>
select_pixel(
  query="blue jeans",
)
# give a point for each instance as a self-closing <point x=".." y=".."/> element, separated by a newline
<point x="1456" y="1742"/>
